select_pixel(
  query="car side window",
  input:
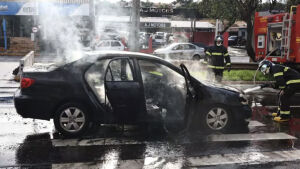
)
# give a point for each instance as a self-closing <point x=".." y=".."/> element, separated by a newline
<point x="104" y="44"/>
<point x="119" y="70"/>
<point x="191" y="47"/>
<point x="115" y="44"/>
<point x="178" y="47"/>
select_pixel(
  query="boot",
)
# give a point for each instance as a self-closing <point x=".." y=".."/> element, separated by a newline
<point x="282" y="118"/>
<point x="276" y="114"/>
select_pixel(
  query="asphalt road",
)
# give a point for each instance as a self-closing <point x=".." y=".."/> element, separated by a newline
<point x="27" y="143"/>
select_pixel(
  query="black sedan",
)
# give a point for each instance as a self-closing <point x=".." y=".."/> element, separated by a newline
<point x="127" y="88"/>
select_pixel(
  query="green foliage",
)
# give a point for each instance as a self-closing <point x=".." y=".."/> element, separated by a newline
<point x="268" y="6"/>
<point x="225" y="10"/>
<point x="147" y="4"/>
<point x="235" y="75"/>
<point x="289" y="3"/>
<point x="183" y="3"/>
<point x="245" y="75"/>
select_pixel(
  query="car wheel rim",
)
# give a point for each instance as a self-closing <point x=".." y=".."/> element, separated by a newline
<point x="72" y="119"/>
<point x="217" y="118"/>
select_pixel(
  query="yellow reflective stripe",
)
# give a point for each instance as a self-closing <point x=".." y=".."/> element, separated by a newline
<point x="228" y="64"/>
<point x="293" y="81"/>
<point x="281" y="87"/>
<point x="204" y="62"/>
<point x="215" y="67"/>
<point x="215" y="53"/>
<point x="286" y="69"/>
<point x="226" y="54"/>
<point x="156" y="73"/>
<point x="278" y="74"/>
<point x="285" y="112"/>
<point x="208" y="53"/>
<point x="219" y="67"/>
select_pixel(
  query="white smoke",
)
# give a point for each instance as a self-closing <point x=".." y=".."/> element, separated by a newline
<point x="60" y="32"/>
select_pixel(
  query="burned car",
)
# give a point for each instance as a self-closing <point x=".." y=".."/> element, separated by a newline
<point x="111" y="87"/>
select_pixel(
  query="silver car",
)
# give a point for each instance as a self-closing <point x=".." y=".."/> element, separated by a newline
<point x="185" y="51"/>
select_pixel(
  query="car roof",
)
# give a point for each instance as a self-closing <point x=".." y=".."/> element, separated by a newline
<point x="108" y="54"/>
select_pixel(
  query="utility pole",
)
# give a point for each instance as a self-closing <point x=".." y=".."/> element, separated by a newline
<point x="92" y="16"/>
<point x="135" y="26"/>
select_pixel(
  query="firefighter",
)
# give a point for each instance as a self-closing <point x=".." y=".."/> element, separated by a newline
<point x="215" y="56"/>
<point x="287" y="80"/>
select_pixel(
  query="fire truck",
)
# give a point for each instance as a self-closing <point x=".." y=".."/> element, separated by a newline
<point x="277" y="36"/>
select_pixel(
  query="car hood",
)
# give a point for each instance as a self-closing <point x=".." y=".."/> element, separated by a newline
<point x="222" y="87"/>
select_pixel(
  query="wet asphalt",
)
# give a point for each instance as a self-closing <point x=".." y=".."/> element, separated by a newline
<point x="27" y="143"/>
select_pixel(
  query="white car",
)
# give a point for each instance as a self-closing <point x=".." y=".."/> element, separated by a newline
<point x="186" y="51"/>
<point x="109" y="45"/>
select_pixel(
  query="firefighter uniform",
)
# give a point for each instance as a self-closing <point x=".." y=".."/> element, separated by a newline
<point x="215" y="56"/>
<point x="288" y="80"/>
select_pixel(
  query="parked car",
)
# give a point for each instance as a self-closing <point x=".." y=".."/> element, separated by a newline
<point x="109" y="45"/>
<point x="181" y="51"/>
<point x="236" y="41"/>
<point x="111" y="87"/>
<point x="158" y="40"/>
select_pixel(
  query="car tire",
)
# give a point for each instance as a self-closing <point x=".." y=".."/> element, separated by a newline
<point x="216" y="118"/>
<point x="196" y="57"/>
<point x="72" y="119"/>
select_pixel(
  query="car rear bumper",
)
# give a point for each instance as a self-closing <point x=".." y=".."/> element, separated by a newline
<point x="36" y="107"/>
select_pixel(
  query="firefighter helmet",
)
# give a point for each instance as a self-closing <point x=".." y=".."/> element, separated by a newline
<point x="265" y="66"/>
<point x="219" y="40"/>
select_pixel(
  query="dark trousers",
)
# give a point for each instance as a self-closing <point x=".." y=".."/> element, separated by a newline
<point x="217" y="74"/>
<point x="285" y="97"/>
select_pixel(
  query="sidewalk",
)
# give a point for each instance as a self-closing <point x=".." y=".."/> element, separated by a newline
<point x="7" y="85"/>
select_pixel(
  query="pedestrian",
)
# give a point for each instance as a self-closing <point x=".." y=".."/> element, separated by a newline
<point x="215" y="56"/>
<point x="287" y="80"/>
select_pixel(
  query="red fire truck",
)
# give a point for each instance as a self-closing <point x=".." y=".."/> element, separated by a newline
<point x="277" y="36"/>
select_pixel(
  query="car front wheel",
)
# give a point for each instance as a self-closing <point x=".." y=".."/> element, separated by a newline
<point x="196" y="57"/>
<point x="217" y="118"/>
<point x="72" y="119"/>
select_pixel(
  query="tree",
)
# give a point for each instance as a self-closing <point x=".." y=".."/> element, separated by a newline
<point x="272" y="5"/>
<point x="147" y="4"/>
<point x="182" y="3"/>
<point x="289" y="3"/>
<point x="247" y="9"/>
<point x="225" y="10"/>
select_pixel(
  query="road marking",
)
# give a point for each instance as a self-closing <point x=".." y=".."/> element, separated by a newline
<point x="247" y="158"/>
<point x="254" y="123"/>
<point x="250" y="137"/>
<point x="211" y="138"/>
<point x="92" y="142"/>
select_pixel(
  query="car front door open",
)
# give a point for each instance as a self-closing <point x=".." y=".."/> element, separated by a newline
<point x="123" y="90"/>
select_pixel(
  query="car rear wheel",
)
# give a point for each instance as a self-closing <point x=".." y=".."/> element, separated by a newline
<point x="217" y="118"/>
<point x="196" y="57"/>
<point x="72" y="119"/>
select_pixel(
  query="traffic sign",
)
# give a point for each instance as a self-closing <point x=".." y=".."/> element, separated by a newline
<point x="35" y="29"/>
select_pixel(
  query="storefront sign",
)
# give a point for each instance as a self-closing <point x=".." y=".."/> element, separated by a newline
<point x="33" y="8"/>
<point x="156" y="12"/>
<point x="155" y="25"/>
